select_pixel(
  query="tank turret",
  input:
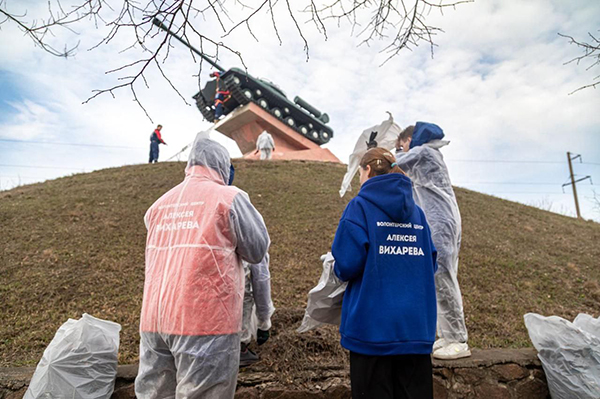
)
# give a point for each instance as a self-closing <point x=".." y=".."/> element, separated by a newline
<point x="243" y="88"/>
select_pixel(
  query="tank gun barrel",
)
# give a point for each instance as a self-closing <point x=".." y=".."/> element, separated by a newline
<point x="162" y="26"/>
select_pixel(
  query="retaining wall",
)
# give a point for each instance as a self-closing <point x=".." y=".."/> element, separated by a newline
<point x="488" y="374"/>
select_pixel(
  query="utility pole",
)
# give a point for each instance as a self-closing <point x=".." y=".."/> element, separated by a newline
<point x="573" y="181"/>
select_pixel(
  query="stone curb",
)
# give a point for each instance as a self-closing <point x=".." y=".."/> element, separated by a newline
<point x="489" y="374"/>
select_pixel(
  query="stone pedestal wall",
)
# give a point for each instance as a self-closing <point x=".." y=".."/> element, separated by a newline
<point x="488" y="374"/>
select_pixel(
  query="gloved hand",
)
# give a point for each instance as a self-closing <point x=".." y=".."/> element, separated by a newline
<point x="262" y="336"/>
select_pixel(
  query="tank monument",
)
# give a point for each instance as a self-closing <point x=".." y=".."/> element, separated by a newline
<point x="253" y="105"/>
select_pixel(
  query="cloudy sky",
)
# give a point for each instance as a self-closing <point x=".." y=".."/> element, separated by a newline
<point x="497" y="85"/>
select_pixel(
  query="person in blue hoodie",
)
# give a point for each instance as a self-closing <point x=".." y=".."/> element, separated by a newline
<point x="383" y="249"/>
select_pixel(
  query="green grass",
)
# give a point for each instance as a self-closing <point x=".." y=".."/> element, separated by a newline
<point x="76" y="245"/>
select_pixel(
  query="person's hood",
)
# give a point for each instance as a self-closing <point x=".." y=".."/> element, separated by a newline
<point x="424" y="133"/>
<point x="391" y="193"/>
<point x="210" y="155"/>
<point x="437" y="144"/>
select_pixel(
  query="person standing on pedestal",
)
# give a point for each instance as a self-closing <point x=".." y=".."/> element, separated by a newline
<point x="265" y="145"/>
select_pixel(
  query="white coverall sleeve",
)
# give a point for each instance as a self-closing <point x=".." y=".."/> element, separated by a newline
<point x="407" y="160"/>
<point x="261" y="290"/>
<point x="252" y="236"/>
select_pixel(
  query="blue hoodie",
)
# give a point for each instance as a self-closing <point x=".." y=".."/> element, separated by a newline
<point x="383" y="248"/>
<point x="424" y="133"/>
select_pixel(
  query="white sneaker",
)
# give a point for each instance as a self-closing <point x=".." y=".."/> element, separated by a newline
<point x="439" y="343"/>
<point x="454" y="350"/>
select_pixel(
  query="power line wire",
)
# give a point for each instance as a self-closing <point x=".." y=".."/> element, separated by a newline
<point x="184" y="148"/>
<point x="524" y="192"/>
<point x="22" y="177"/>
<point x="502" y="161"/>
<point x="70" y="144"/>
<point x="510" y="183"/>
<point x="515" y="161"/>
<point x="40" y="167"/>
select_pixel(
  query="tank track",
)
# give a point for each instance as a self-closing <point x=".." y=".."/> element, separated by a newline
<point x="205" y="109"/>
<point x="236" y="90"/>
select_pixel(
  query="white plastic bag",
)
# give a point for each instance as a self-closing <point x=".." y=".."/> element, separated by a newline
<point x="79" y="363"/>
<point x="570" y="354"/>
<point x="387" y="133"/>
<point x="325" y="300"/>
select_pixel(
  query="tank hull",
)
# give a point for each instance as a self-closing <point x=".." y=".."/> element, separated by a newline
<point x="245" y="88"/>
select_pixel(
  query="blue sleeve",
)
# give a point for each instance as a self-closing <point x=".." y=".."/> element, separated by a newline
<point x="349" y="249"/>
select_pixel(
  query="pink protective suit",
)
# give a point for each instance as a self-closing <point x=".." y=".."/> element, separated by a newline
<point x="198" y="234"/>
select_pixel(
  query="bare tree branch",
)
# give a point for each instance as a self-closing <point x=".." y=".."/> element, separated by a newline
<point x="37" y="30"/>
<point x="400" y="24"/>
<point x="591" y="53"/>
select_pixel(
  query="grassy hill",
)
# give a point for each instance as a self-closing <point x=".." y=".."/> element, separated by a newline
<point x="76" y="245"/>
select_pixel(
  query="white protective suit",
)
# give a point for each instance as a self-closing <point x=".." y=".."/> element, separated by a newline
<point x="265" y="145"/>
<point x="198" y="233"/>
<point x="258" y="306"/>
<point x="433" y="192"/>
<point x="387" y="133"/>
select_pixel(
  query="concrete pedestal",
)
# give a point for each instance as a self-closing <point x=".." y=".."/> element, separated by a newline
<point x="246" y="123"/>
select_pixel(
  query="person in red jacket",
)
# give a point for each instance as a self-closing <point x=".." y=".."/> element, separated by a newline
<point x="221" y="95"/>
<point x="155" y="140"/>
<point x="199" y="232"/>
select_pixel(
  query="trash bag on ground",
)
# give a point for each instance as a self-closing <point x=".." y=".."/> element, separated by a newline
<point x="588" y="324"/>
<point x="79" y="363"/>
<point x="569" y="352"/>
<point x="387" y="133"/>
<point x="325" y="300"/>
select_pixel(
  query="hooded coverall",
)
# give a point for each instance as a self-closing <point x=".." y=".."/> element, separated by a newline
<point x="198" y="234"/>
<point x="433" y="192"/>
<point x="265" y="145"/>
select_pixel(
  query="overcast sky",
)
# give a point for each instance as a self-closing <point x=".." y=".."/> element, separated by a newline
<point x="497" y="85"/>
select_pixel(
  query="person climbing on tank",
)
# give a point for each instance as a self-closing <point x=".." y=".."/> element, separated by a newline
<point x="190" y="324"/>
<point x="258" y="309"/>
<point x="383" y="249"/>
<point x="155" y="140"/>
<point x="418" y="154"/>
<point x="221" y="95"/>
<point x="265" y="144"/>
